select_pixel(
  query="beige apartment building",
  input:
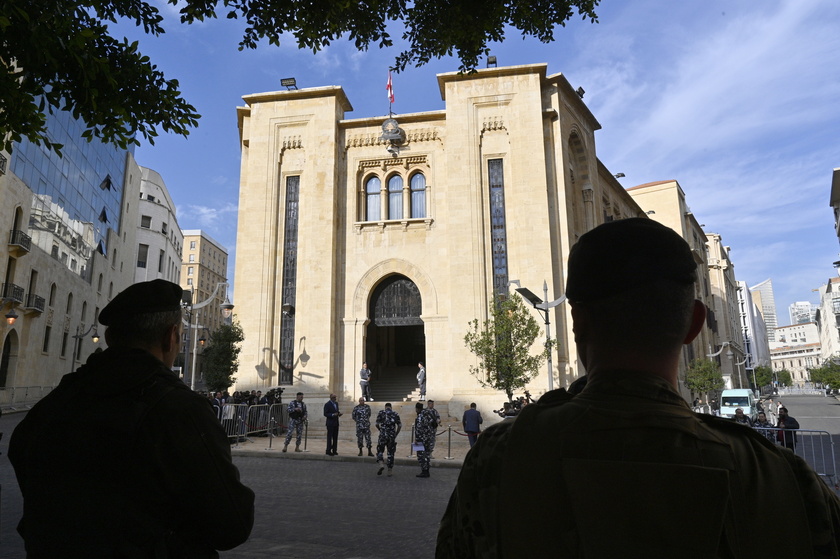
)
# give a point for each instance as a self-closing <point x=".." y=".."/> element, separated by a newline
<point x="665" y="202"/>
<point x="204" y="273"/>
<point x="379" y="239"/>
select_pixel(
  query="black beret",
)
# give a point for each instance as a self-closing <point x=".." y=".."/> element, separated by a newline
<point x="625" y="254"/>
<point x="142" y="298"/>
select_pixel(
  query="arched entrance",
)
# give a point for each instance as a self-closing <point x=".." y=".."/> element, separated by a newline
<point x="8" y="359"/>
<point x="395" y="337"/>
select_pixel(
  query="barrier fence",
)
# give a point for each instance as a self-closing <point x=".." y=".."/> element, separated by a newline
<point x="19" y="397"/>
<point x="815" y="447"/>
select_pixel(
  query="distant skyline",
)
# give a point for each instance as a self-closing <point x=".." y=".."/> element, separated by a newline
<point x="736" y="100"/>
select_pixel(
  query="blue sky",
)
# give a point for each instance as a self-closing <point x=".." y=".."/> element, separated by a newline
<point x="738" y="100"/>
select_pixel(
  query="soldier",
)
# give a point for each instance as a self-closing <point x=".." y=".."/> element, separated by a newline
<point x="361" y="415"/>
<point x="297" y="417"/>
<point x="389" y="425"/>
<point x="430" y="447"/>
<point x="618" y="467"/>
<point x="425" y="426"/>
<point x="164" y="484"/>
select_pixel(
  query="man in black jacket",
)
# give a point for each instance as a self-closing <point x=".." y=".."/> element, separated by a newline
<point x="122" y="459"/>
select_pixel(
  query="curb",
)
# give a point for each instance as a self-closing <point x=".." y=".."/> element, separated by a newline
<point x="312" y="455"/>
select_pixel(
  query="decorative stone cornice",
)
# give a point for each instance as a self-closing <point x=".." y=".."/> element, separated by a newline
<point x="391" y="162"/>
<point x="374" y="139"/>
<point x="291" y="142"/>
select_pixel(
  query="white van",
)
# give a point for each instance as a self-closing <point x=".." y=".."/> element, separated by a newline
<point x="743" y="398"/>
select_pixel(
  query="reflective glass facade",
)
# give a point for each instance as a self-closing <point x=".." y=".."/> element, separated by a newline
<point x="76" y="198"/>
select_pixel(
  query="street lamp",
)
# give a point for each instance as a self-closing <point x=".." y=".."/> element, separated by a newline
<point x="227" y="311"/>
<point x="77" y="341"/>
<point x="542" y="306"/>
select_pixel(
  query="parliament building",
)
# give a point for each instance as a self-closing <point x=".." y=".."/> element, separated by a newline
<point x="379" y="239"/>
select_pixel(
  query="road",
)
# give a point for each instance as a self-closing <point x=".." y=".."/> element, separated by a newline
<point x="305" y="509"/>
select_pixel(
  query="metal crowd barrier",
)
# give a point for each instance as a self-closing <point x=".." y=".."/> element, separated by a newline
<point x="19" y="397"/>
<point x="815" y="447"/>
<point x="240" y="421"/>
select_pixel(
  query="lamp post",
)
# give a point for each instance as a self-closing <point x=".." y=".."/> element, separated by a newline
<point x="77" y="340"/>
<point x="542" y="306"/>
<point x="227" y="311"/>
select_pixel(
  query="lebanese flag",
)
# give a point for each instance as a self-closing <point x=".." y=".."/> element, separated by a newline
<point x="390" y="89"/>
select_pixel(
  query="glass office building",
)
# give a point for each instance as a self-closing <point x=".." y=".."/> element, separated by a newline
<point x="77" y="197"/>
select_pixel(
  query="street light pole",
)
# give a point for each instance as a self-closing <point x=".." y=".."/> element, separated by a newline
<point x="227" y="309"/>
<point x="542" y="306"/>
<point x="77" y="340"/>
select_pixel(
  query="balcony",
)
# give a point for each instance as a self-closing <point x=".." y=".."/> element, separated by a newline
<point x="34" y="304"/>
<point x="19" y="243"/>
<point x="13" y="292"/>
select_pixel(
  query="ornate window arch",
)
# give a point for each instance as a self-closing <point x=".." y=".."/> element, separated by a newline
<point x="373" y="186"/>
<point x="418" y="194"/>
<point x="395" y="196"/>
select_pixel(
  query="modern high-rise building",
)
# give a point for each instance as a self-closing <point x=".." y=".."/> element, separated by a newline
<point x="766" y="302"/>
<point x="754" y="331"/>
<point x="73" y="227"/>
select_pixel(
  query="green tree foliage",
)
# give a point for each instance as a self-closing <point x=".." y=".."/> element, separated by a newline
<point x="763" y="375"/>
<point x="829" y="374"/>
<point x="221" y="357"/>
<point x="58" y="54"/>
<point x="784" y="378"/>
<point x="503" y="345"/>
<point x="703" y="376"/>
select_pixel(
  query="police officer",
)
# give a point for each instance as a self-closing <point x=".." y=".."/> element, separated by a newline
<point x="389" y="425"/>
<point x="164" y="484"/>
<point x="361" y="415"/>
<point x="424" y="434"/>
<point x="430" y="407"/>
<point x="297" y="417"/>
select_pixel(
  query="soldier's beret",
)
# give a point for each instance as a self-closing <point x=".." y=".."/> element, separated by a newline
<point x="142" y="298"/>
<point x="621" y="255"/>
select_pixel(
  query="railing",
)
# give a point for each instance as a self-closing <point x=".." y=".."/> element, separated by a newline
<point x="815" y="447"/>
<point x="13" y="292"/>
<point x="22" y="397"/>
<point x="21" y="239"/>
<point x="34" y="302"/>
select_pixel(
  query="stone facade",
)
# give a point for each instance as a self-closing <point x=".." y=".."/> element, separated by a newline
<point x="71" y="234"/>
<point x="352" y="248"/>
<point x="159" y="239"/>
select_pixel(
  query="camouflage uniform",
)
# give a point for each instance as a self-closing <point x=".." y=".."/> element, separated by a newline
<point x="430" y="445"/>
<point x="361" y="415"/>
<point x="629" y="440"/>
<point x="387" y="421"/>
<point x="425" y="426"/>
<point x="295" y="424"/>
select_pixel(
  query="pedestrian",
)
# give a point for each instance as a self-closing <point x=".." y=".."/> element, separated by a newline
<point x="616" y="470"/>
<point x="425" y="426"/>
<point x="361" y="415"/>
<point x="765" y="427"/>
<point x="421" y="380"/>
<point x="739" y="417"/>
<point x="122" y="459"/>
<point x="786" y="423"/>
<point x="389" y="425"/>
<point x="332" y="414"/>
<point x="471" y="422"/>
<point x="297" y="418"/>
<point x="365" y="376"/>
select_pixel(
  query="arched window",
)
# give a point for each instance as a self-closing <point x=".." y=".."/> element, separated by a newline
<point x="372" y="200"/>
<point x="418" y="195"/>
<point x="52" y="295"/>
<point x="395" y="197"/>
<point x="69" y="303"/>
